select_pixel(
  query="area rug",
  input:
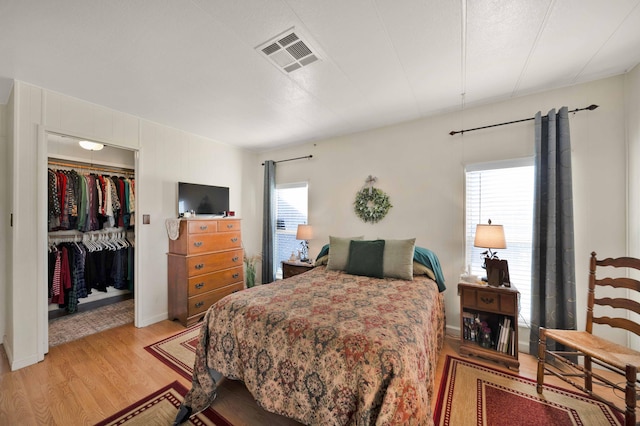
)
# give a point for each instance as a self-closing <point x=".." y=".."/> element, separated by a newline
<point x="81" y="324"/>
<point x="473" y="394"/>
<point x="161" y="408"/>
<point x="178" y="351"/>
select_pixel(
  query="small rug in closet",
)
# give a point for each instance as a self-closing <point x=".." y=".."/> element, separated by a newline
<point x="161" y="408"/>
<point x="178" y="351"/>
<point x="81" y="324"/>
<point x="473" y="394"/>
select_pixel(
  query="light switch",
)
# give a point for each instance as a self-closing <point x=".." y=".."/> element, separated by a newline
<point x="146" y="219"/>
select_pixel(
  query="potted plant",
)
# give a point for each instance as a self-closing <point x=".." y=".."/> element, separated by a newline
<point x="250" y="268"/>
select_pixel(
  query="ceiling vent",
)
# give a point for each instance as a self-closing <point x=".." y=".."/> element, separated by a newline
<point x="288" y="51"/>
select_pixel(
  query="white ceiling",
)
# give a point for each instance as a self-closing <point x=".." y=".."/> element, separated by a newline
<point x="193" y="65"/>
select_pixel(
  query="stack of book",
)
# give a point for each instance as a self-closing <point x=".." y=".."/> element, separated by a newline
<point x="505" y="342"/>
<point x="469" y="330"/>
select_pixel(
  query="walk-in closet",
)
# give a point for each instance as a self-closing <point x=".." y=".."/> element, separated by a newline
<point x="90" y="236"/>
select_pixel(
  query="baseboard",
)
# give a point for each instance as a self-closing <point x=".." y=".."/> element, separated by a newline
<point x="451" y="330"/>
<point x="20" y="363"/>
<point x="152" y="320"/>
<point x="7" y="350"/>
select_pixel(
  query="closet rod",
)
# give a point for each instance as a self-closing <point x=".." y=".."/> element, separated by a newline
<point x="97" y="168"/>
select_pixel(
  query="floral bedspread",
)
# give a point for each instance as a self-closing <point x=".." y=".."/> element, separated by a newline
<point x="327" y="348"/>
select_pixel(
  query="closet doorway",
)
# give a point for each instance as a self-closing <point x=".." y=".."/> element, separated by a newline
<point x="90" y="229"/>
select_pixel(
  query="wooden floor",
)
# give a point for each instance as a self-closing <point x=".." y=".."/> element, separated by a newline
<point x="85" y="381"/>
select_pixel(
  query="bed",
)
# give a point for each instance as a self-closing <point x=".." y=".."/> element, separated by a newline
<point x="328" y="347"/>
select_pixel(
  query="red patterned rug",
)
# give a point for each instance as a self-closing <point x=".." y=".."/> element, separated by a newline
<point x="160" y="408"/>
<point x="507" y="399"/>
<point x="178" y="351"/>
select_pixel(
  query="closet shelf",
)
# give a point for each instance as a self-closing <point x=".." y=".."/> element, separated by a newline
<point x="92" y="167"/>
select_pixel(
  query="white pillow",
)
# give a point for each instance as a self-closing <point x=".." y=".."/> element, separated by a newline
<point x="397" y="261"/>
<point x="339" y="252"/>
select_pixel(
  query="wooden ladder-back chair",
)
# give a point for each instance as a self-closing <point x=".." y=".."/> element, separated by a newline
<point x="617" y="358"/>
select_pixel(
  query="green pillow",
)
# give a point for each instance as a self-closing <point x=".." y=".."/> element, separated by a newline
<point x="398" y="258"/>
<point x="339" y="252"/>
<point x="366" y="258"/>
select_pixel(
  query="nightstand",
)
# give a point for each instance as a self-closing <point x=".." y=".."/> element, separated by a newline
<point x="495" y="309"/>
<point x="289" y="269"/>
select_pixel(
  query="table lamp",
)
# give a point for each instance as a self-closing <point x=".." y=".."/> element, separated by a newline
<point x="492" y="237"/>
<point x="304" y="233"/>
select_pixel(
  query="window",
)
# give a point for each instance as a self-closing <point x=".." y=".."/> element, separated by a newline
<point x="291" y="210"/>
<point x="503" y="192"/>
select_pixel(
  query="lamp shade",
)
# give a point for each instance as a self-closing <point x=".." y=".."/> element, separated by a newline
<point x="305" y="232"/>
<point x="490" y="236"/>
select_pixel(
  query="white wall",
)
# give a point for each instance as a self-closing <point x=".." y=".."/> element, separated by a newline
<point x="421" y="167"/>
<point x="6" y="228"/>
<point x="633" y="137"/>
<point x="4" y="208"/>
<point x="165" y="156"/>
<point x="632" y="107"/>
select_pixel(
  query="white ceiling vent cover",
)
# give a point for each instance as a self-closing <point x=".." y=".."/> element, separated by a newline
<point x="288" y="51"/>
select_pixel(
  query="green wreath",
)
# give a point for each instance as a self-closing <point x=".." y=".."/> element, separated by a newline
<point x="371" y="204"/>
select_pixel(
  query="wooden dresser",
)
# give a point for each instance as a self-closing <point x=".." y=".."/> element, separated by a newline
<point x="205" y="264"/>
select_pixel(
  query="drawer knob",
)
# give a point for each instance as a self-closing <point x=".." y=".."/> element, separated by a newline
<point x="203" y="227"/>
<point x="199" y="304"/>
<point x="234" y="239"/>
<point x="235" y="259"/>
<point x="487" y="300"/>
<point x="198" y="243"/>
<point x="236" y="275"/>
<point x="199" y="285"/>
<point x="229" y="225"/>
<point x="200" y="266"/>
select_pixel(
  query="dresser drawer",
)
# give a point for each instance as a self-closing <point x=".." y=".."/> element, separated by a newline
<point x="206" y="263"/>
<point x="202" y="226"/>
<point x="204" y="283"/>
<point x="508" y="304"/>
<point x="469" y="298"/>
<point x="488" y="300"/>
<point x="201" y="303"/>
<point x="227" y="225"/>
<point x="204" y="243"/>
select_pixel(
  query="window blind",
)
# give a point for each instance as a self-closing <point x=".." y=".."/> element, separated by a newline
<point x="291" y="211"/>
<point x="503" y="193"/>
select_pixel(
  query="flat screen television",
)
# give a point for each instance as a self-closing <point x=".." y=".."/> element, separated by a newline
<point x="202" y="199"/>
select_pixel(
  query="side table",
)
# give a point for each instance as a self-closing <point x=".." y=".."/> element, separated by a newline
<point x="289" y="269"/>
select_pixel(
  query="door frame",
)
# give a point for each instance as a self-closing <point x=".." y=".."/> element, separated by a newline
<point x="42" y="233"/>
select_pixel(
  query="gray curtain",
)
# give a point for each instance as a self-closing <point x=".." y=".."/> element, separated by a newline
<point x="269" y="222"/>
<point x="553" y="269"/>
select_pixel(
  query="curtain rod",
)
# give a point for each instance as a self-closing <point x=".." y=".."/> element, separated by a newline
<point x="291" y="159"/>
<point x="86" y="166"/>
<point x="453" y="132"/>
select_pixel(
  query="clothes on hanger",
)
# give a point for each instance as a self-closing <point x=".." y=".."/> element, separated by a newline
<point x="101" y="207"/>
<point x="76" y="269"/>
<point x="88" y="202"/>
